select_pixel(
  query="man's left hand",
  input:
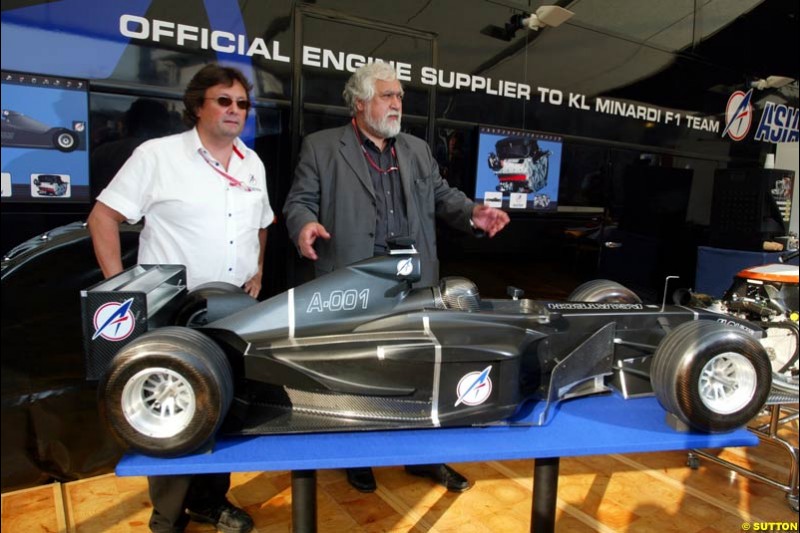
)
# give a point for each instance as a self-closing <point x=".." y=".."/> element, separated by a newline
<point x="489" y="219"/>
<point x="253" y="285"/>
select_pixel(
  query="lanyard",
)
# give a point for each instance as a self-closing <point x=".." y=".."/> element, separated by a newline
<point x="372" y="163"/>
<point x="233" y="182"/>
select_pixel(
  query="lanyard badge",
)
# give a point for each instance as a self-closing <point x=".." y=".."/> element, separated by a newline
<point x="233" y="182"/>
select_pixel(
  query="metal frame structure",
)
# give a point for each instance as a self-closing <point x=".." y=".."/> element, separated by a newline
<point x="779" y="402"/>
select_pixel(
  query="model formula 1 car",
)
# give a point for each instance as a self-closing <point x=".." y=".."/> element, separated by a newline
<point x="360" y="349"/>
<point x="23" y="131"/>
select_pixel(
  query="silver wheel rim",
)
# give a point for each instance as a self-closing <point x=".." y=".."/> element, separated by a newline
<point x="158" y="402"/>
<point x="727" y="383"/>
<point x="65" y="140"/>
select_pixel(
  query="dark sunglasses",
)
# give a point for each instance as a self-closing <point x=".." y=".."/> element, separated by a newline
<point x="226" y="101"/>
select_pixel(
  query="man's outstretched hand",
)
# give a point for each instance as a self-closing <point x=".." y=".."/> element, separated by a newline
<point x="489" y="219"/>
<point x="308" y="236"/>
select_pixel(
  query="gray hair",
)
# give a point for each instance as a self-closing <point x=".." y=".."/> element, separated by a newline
<point x="361" y="85"/>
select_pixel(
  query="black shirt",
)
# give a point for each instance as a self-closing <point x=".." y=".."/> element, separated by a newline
<point x="391" y="219"/>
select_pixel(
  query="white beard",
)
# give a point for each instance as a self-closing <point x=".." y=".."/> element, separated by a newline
<point x="384" y="128"/>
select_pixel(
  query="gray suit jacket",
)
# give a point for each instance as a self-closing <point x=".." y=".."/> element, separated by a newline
<point x="332" y="186"/>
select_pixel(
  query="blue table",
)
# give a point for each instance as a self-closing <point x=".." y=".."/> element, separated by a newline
<point x="588" y="426"/>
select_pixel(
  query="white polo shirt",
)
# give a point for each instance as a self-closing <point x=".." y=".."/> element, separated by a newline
<point x="193" y="215"/>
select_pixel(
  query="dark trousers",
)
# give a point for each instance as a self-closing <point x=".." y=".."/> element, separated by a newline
<point x="172" y="495"/>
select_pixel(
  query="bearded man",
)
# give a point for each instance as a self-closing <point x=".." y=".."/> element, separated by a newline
<point x="360" y="186"/>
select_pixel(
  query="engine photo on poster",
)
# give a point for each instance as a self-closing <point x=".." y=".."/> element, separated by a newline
<point x="44" y="138"/>
<point x="518" y="170"/>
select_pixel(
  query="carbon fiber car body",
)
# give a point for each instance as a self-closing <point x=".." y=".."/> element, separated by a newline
<point x="360" y="349"/>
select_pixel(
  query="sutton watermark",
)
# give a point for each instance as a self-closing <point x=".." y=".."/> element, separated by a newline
<point x="769" y="526"/>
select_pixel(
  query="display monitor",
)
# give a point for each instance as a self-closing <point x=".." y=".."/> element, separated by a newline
<point x="518" y="170"/>
<point x="45" y="156"/>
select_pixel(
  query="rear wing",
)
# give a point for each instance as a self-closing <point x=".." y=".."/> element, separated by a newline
<point x="119" y="309"/>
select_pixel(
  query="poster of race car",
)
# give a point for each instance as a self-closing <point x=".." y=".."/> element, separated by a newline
<point x="44" y="138"/>
<point x="518" y="170"/>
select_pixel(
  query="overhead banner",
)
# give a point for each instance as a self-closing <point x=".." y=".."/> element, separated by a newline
<point x="73" y="51"/>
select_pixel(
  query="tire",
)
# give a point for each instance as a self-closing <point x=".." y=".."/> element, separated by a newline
<point x="713" y="377"/>
<point x="65" y="141"/>
<point x="192" y="312"/>
<point x="604" y="291"/>
<point x="200" y="391"/>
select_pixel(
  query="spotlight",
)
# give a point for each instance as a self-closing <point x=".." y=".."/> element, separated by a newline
<point x="547" y="16"/>
<point x="771" y="82"/>
<point x="544" y="16"/>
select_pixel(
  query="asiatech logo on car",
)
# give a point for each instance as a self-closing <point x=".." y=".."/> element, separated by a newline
<point x="738" y="115"/>
<point x="474" y="388"/>
<point x="405" y="267"/>
<point x="114" y="321"/>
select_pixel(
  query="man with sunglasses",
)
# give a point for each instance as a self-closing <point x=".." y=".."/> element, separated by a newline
<point x="360" y="186"/>
<point x="203" y="195"/>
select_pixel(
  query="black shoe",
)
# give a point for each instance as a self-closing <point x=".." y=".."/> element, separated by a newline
<point x="442" y="474"/>
<point x="362" y="479"/>
<point x="226" y="518"/>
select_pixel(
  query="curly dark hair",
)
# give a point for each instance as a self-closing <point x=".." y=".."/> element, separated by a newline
<point x="209" y="76"/>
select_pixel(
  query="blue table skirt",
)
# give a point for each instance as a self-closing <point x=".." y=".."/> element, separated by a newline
<point x="588" y="426"/>
<point x="716" y="267"/>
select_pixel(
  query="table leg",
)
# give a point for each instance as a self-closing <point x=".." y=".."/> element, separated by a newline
<point x="304" y="501"/>
<point x="545" y="491"/>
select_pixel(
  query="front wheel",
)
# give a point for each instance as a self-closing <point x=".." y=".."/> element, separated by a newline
<point x="713" y="377"/>
<point x="167" y="392"/>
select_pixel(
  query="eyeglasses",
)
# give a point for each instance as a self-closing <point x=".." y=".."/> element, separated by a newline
<point x="226" y="101"/>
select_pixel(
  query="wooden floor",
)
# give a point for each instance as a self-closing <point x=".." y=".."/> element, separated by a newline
<point x="634" y="492"/>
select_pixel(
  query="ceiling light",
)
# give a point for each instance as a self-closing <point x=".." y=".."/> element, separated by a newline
<point x="544" y="16"/>
<point x="547" y="16"/>
<point x="771" y="82"/>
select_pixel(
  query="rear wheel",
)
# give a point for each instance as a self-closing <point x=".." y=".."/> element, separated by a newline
<point x="712" y="377"/>
<point x="192" y="312"/>
<point x="65" y="141"/>
<point x="167" y="392"/>
<point x="604" y="291"/>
